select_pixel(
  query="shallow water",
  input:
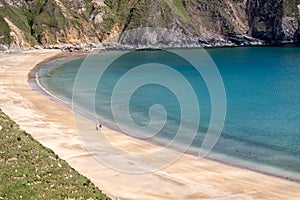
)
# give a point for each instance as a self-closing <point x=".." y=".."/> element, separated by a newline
<point x="262" y="92"/>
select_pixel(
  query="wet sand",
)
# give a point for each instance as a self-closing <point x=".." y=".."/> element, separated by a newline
<point x="189" y="177"/>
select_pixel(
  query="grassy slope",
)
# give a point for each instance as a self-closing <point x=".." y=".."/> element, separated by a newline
<point x="18" y="18"/>
<point x="44" y="22"/>
<point x="4" y="32"/>
<point x="61" y="21"/>
<point x="48" y="23"/>
<point x="31" y="171"/>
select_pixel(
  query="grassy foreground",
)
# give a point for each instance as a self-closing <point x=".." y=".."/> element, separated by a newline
<point x="28" y="170"/>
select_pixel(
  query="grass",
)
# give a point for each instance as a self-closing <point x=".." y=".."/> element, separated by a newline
<point x="31" y="171"/>
<point x="4" y="32"/>
<point x="17" y="17"/>
<point x="180" y="10"/>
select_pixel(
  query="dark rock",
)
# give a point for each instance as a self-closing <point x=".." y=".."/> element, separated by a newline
<point x="297" y="35"/>
<point x="274" y="21"/>
<point x="3" y="48"/>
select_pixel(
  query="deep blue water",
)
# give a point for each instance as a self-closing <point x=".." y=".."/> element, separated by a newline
<point x="262" y="122"/>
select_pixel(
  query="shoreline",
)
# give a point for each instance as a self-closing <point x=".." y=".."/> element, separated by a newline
<point x="216" y="157"/>
<point x="187" y="178"/>
<point x="33" y="77"/>
<point x="74" y="48"/>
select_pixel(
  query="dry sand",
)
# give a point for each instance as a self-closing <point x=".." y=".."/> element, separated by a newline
<point x="188" y="178"/>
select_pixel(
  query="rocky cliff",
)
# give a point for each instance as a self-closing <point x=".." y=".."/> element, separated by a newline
<point x="208" y="22"/>
<point x="274" y="20"/>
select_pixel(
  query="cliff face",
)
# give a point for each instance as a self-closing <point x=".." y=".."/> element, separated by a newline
<point x="31" y="22"/>
<point x="274" y="20"/>
<point x="52" y="21"/>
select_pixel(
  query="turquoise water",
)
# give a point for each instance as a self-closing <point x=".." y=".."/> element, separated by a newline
<point x="262" y="122"/>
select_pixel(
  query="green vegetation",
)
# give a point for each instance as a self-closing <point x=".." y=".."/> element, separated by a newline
<point x="4" y="32"/>
<point x="31" y="171"/>
<point x="117" y="12"/>
<point x="19" y="19"/>
<point x="47" y="20"/>
<point x="64" y="21"/>
<point x="179" y="8"/>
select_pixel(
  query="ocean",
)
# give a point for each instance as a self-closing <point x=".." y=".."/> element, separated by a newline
<point x="262" y="125"/>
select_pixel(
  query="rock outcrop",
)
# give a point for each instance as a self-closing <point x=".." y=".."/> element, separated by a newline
<point x="274" y="20"/>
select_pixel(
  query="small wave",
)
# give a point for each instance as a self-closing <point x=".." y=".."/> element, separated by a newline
<point x="47" y="92"/>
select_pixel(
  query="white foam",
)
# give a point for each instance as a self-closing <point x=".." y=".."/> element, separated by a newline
<point x="46" y="91"/>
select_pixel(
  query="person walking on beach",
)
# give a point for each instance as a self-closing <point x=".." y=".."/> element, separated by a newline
<point x="98" y="126"/>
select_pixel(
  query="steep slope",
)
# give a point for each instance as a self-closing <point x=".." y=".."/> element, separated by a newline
<point x="216" y="22"/>
<point x="274" y="20"/>
<point x="55" y="21"/>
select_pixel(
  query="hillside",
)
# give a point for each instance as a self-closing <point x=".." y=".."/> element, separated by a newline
<point x="31" y="171"/>
<point x="217" y="22"/>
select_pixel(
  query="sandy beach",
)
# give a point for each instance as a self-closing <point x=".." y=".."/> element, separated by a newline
<point x="189" y="177"/>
